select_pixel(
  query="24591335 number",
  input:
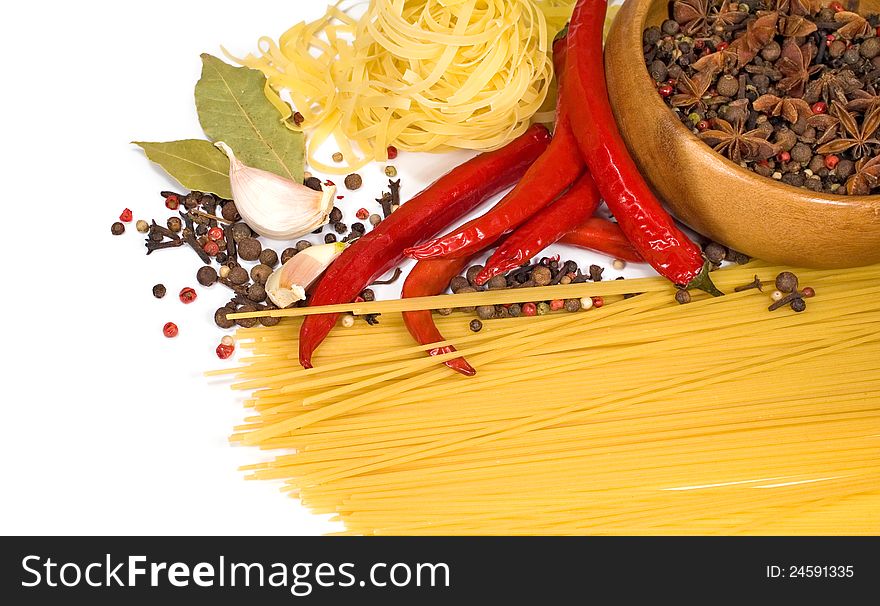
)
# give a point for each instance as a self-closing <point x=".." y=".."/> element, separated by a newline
<point x="820" y="571"/>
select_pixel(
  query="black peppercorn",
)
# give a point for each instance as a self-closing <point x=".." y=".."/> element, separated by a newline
<point x="682" y="297"/>
<point x="572" y="305"/>
<point x="476" y="325"/>
<point x="497" y="283"/>
<point x="201" y="230"/>
<point x="269" y="321"/>
<point x="358" y="228"/>
<point x="117" y="229"/>
<point x="486" y="312"/>
<point x="287" y="254"/>
<point x="206" y="276"/>
<point x="221" y="257"/>
<point x="542" y="276"/>
<point x="670" y="27"/>
<point x="329" y="238"/>
<point x="240" y="231"/>
<point x="249" y="249"/>
<point x="798" y="305"/>
<point x="260" y="273"/>
<point x="340" y="228"/>
<point x="353" y="181"/>
<point x="302" y="245"/>
<point x="192" y="200"/>
<point x="715" y="253"/>
<point x="220" y="318"/>
<point x="472" y="272"/>
<point x="247" y="322"/>
<point x="256" y="293"/>
<point x="368" y="295"/>
<point x="335" y="215"/>
<point x="313" y="183"/>
<point x="786" y="282"/>
<point x="457" y="283"/>
<point x="269" y="257"/>
<point x="159" y="291"/>
<point x="445" y="311"/>
<point x="238" y="275"/>
<point x="515" y="310"/>
<point x="229" y="212"/>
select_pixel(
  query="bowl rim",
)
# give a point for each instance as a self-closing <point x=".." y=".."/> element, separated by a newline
<point x="641" y="9"/>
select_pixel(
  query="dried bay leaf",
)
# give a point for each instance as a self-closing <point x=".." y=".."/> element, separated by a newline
<point x="195" y="164"/>
<point x="232" y="108"/>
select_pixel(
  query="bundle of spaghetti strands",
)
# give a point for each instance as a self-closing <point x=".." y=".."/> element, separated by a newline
<point x="642" y="416"/>
<point x="422" y="75"/>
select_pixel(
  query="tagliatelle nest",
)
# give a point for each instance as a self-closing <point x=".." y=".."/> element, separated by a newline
<point x="423" y="75"/>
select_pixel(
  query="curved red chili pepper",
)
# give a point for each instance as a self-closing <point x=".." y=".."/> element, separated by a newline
<point x="602" y="236"/>
<point x="573" y="208"/>
<point x="430" y="211"/>
<point x="549" y="176"/>
<point x="646" y="224"/>
<point x="427" y="278"/>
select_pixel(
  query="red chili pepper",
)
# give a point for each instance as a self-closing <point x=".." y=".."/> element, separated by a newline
<point x="548" y="177"/>
<point x="450" y="197"/>
<point x="642" y="218"/>
<point x="548" y="226"/>
<point x="603" y="236"/>
<point x="427" y="278"/>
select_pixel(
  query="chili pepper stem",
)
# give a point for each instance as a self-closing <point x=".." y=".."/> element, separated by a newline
<point x="703" y="282"/>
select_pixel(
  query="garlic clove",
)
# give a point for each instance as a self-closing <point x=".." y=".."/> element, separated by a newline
<point x="287" y="284"/>
<point x="273" y="206"/>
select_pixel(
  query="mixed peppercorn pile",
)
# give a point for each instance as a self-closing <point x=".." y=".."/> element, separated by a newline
<point x="786" y="88"/>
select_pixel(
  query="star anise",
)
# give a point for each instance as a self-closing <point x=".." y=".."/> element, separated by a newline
<point x="795" y="26"/>
<point x="866" y="177"/>
<point x="798" y="7"/>
<point x="863" y="101"/>
<point x="860" y="138"/>
<point x="790" y="108"/>
<point x="724" y="16"/>
<point x="692" y="90"/>
<point x="716" y="62"/>
<point x="828" y="124"/>
<point x="854" y="25"/>
<point x="832" y="85"/>
<point x="796" y="68"/>
<point x="736" y="144"/>
<point x="758" y="33"/>
<point x="691" y="15"/>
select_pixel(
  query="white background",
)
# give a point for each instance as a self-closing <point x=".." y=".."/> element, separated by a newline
<point x="108" y="427"/>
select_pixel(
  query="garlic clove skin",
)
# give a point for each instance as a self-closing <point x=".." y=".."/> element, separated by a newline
<point x="287" y="284"/>
<point x="273" y="206"/>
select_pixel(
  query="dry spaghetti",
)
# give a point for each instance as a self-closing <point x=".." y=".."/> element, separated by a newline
<point x="424" y="75"/>
<point x="639" y="417"/>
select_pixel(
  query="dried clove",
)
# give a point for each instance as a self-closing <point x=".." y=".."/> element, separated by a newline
<point x="151" y="246"/>
<point x="385" y="202"/>
<point x="395" y="192"/>
<point x="756" y="283"/>
<point x="786" y="300"/>
<point x="155" y="228"/>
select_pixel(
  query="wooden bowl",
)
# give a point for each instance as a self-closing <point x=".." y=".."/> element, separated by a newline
<point x="756" y="215"/>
